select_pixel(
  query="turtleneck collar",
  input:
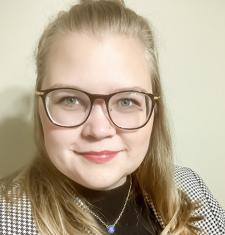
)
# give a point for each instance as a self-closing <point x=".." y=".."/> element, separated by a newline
<point x="107" y="203"/>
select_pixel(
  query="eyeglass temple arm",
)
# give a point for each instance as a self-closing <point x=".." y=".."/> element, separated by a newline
<point x="156" y="97"/>
<point x="39" y="93"/>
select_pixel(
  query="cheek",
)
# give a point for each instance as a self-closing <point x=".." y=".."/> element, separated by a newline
<point x="138" y="141"/>
<point x="55" y="139"/>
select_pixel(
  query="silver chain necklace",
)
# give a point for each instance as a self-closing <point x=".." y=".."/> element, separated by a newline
<point x="110" y="227"/>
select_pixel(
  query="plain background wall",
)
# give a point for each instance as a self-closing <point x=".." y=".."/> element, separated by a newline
<point x="190" y="37"/>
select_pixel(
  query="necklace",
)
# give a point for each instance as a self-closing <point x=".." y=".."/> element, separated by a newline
<point x="110" y="227"/>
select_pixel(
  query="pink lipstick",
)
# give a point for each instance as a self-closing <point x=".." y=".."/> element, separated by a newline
<point x="99" y="157"/>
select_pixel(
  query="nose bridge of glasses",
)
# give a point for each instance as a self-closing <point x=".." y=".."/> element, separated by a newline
<point x="99" y="106"/>
<point x="99" y="99"/>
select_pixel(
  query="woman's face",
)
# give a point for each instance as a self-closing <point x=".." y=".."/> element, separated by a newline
<point x="97" y="65"/>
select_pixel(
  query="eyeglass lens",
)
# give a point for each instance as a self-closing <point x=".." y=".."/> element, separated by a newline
<point x="69" y="107"/>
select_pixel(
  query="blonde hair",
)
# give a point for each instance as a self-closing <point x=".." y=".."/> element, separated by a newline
<point x="53" y="208"/>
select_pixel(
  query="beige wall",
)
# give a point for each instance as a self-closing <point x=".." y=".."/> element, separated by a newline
<point x="191" y="41"/>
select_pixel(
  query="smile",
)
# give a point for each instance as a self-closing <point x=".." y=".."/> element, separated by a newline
<point x="99" y="157"/>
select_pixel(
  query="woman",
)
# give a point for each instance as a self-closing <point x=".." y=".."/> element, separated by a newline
<point x="104" y="162"/>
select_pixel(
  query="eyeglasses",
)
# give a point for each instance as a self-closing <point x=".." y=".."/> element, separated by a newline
<point x="68" y="107"/>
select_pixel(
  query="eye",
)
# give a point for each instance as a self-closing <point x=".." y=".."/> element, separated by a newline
<point x="68" y="101"/>
<point x="126" y="102"/>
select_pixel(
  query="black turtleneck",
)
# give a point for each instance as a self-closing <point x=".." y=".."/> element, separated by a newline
<point x="136" y="219"/>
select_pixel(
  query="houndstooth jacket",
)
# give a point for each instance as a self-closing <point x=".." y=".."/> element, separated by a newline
<point x="17" y="219"/>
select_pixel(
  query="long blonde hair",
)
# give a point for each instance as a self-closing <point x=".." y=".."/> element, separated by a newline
<point x="53" y="210"/>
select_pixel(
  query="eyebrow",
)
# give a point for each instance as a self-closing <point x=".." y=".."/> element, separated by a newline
<point x="135" y="88"/>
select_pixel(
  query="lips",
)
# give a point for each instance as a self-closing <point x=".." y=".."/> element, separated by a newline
<point x="99" y="156"/>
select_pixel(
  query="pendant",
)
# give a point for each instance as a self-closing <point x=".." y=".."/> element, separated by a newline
<point x="111" y="229"/>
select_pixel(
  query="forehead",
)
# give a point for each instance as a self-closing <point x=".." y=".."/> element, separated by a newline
<point x="98" y="64"/>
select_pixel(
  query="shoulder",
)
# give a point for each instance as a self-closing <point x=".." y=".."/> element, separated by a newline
<point x="15" y="211"/>
<point x="192" y="184"/>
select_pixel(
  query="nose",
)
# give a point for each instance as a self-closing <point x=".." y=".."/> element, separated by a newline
<point x="98" y="125"/>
